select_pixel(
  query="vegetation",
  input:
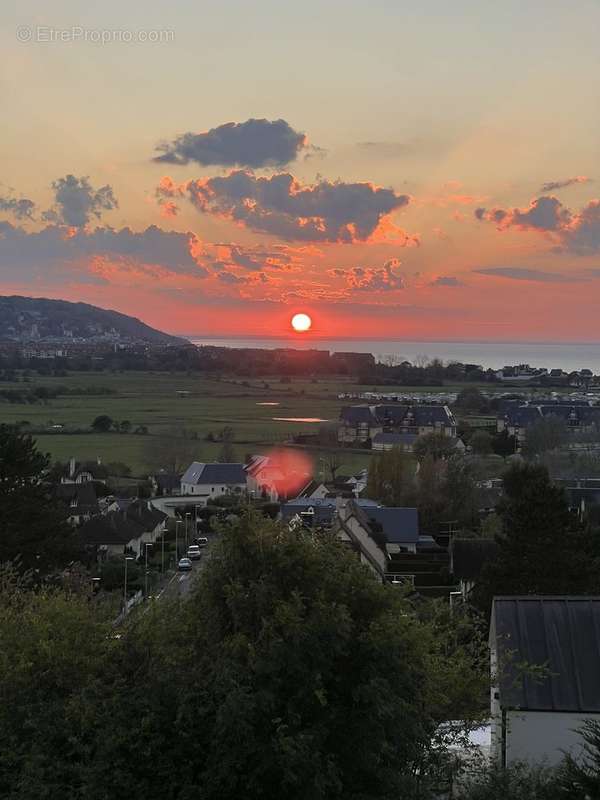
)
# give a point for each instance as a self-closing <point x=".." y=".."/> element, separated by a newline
<point x="543" y="547"/>
<point x="33" y="528"/>
<point x="289" y="671"/>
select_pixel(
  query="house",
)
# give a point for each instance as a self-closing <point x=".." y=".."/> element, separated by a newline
<point x="165" y="484"/>
<point x="81" y="500"/>
<point x="468" y="557"/>
<point x="123" y="531"/>
<point x="207" y="481"/>
<point x="314" y="489"/>
<point x="82" y="472"/>
<point x="278" y="476"/>
<point x="387" y="441"/>
<point x="313" y="511"/>
<point x="545" y="663"/>
<point x="360" y="424"/>
<point x="352" y="528"/>
<point x="578" y="417"/>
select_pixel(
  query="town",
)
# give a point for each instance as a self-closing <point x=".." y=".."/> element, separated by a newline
<point x="425" y="516"/>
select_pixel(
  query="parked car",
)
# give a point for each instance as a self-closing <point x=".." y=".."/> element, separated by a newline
<point x="184" y="565"/>
<point x="202" y="541"/>
<point x="193" y="552"/>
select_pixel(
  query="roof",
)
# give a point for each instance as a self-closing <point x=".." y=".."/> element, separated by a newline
<point x="399" y="525"/>
<point x="560" y="634"/>
<point x="353" y="415"/>
<point x="395" y="438"/>
<point x="167" y="481"/>
<point x="323" y="509"/>
<point x="469" y="556"/>
<point x="416" y="415"/>
<point x="120" y="527"/>
<point x="199" y="472"/>
<point x="83" y="493"/>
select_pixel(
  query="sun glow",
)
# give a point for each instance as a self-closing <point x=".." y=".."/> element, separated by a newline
<point x="301" y="323"/>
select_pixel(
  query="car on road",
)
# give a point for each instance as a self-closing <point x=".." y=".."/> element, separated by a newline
<point x="184" y="565"/>
<point x="202" y="541"/>
<point x="193" y="552"/>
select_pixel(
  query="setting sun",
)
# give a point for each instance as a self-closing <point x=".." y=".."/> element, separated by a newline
<point x="301" y="322"/>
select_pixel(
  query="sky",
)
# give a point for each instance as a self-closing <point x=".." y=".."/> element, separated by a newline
<point x="395" y="170"/>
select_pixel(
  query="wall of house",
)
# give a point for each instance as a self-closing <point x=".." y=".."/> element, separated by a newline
<point x="535" y="736"/>
<point x="211" y="490"/>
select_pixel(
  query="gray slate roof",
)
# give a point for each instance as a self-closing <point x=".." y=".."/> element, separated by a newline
<point x="399" y="525"/>
<point x="226" y="474"/>
<point x="395" y="438"/>
<point x="560" y="633"/>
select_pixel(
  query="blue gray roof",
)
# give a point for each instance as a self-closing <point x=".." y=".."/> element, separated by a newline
<point x="397" y="415"/>
<point x="395" y="438"/>
<point x="399" y="525"/>
<point x="323" y="508"/>
<point x="560" y="634"/>
<point x="227" y="474"/>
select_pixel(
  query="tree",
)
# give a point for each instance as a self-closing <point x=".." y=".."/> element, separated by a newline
<point x="436" y="445"/>
<point x="33" y="525"/>
<point x="481" y="443"/>
<point x="333" y="463"/>
<point x="504" y="445"/>
<point x="102" y="423"/>
<point x="227" y="452"/>
<point x="543" y="548"/>
<point x="581" y="778"/>
<point x="172" y="450"/>
<point x="548" y="433"/>
<point x="470" y="399"/>
<point x="390" y="477"/>
<point x="125" y="426"/>
<point x="290" y="669"/>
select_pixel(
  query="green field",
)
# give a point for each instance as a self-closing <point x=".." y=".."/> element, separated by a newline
<point x="151" y="399"/>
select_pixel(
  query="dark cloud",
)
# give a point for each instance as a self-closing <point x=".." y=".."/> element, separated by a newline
<point x="76" y="202"/>
<point x="553" y="186"/>
<point x="254" y="143"/>
<point x="54" y="249"/>
<point x="571" y="231"/>
<point x="282" y="206"/>
<point x="21" y="208"/>
<point x="446" y="280"/>
<point x="526" y="274"/>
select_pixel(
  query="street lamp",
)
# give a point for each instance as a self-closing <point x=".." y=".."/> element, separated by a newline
<point x="127" y="558"/>
<point x="187" y="518"/>
<point x="177" y="524"/>
<point x="146" y="546"/>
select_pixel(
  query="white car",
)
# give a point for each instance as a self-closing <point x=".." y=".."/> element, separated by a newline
<point x="193" y="552"/>
<point x="184" y="565"/>
<point x="202" y="541"/>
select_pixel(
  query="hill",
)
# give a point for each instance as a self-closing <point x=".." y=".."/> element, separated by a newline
<point x="31" y="318"/>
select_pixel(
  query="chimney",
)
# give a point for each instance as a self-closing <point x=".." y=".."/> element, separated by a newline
<point x="71" y="467"/>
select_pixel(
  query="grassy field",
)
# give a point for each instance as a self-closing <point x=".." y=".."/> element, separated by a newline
<point x="151" y="399"/>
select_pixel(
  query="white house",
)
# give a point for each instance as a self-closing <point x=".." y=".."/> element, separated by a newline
<point x="206" y="481"/>
<point x="545" y="664"/>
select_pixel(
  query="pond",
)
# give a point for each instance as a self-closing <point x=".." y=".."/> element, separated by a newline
<point x="299" y="419"/>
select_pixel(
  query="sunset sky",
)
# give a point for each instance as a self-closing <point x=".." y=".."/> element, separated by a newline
<point x="396" y="170"/>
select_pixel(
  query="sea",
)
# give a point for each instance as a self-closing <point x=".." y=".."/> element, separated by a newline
<point x="566" y="356"/>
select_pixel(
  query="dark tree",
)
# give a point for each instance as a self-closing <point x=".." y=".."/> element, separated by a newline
<point x="102" y="423"/>
<point x="543" y="547"/>
<point x="33" y="525"/>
